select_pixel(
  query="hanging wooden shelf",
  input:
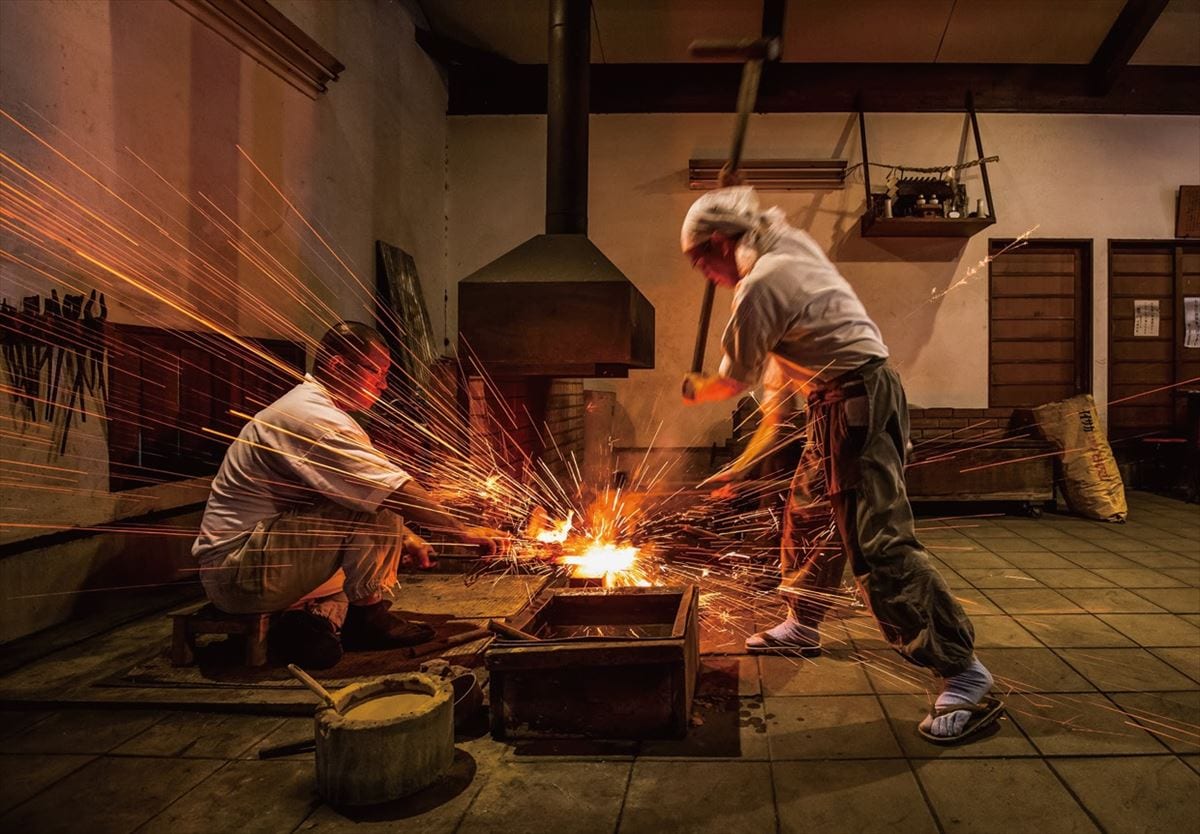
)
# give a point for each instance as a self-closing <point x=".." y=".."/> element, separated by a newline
<point x="875" y="226"/>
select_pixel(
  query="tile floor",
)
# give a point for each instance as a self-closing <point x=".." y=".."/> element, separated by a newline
<point x="1092" y="630"/>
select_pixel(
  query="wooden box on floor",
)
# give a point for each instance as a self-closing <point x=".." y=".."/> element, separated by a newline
<point x="1018" y="471"/>
<point x="616" y="663"/>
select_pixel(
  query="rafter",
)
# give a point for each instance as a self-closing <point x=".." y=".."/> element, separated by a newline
<point x="1128" y="31"/>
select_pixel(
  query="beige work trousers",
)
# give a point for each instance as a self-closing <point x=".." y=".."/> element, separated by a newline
<point x="317" y="557"/>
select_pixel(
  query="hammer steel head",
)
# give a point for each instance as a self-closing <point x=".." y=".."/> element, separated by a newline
<point x="747" y="49"/>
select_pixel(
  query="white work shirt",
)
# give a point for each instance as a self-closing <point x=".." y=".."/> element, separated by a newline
<point x="796" y="306"/>
<point x="298" y="451"/>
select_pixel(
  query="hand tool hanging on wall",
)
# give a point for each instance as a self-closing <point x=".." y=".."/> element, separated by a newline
<point x="754" y="51"/>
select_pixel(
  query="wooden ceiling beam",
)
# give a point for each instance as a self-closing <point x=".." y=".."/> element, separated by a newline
<point x="1128" y="31"/>
<point x="835" y="87"/>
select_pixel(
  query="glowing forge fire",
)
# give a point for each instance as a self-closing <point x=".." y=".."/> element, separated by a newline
<point x="557" y="534"/>
<point x="604" y="559"/>
<point x="594" y="552"/>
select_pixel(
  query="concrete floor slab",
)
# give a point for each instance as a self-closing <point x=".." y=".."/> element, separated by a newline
<point x="833" y="673"/>
<point x="866" y="797"/>
<point x="890" y="673"/>
<point x="700" y="797"/>
<point x="1139" y="578"/>
<point x="200" y="735"/>
<point x="1186" y="660"/>
<point x="82" y="731"/>
<point x="1001" y="632"/>
<point x="1112" y="600"/>
<point x="1151" y="794"/>
<point x="249" y="797"/>
<point x="1032" y="601"/>
<point x="828" y="727"/>
<point x="1043" y="560"/>
<point x="1175" y="600"/>
<point x="976" y="603"/>
<point x="1070" y="578"/>
<point x="550" y="797"/>
<point x="987" y="796"/>
<point x="1073" y="630"/>
<point x="1008" y="577"/>
<point x="1173" y="717"/>
<point x="1155" y="630"/>
<point x="1125" y="670"/>
<point x="1032" y="670"/>
<point x="24" y="776"/>
<point x="114" y="795"/>
<point x="1079" y="725"/>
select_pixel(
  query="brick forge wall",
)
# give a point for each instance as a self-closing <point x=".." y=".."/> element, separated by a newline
<point x="563" y="430"/>
<point x="519" y="418"/>
<point x="929" y="427"/>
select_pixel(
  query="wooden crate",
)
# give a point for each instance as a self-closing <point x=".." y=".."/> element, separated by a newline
<point x="633" y="678"/>
<point x="1020" y="471"/>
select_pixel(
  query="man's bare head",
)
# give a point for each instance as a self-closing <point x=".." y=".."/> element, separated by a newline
<point x="352" y="362"/>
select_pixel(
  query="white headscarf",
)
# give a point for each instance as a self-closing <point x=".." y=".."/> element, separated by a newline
<point x="731" y="211"/>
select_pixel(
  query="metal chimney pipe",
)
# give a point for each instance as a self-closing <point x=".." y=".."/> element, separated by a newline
<point x="567" y="106"/>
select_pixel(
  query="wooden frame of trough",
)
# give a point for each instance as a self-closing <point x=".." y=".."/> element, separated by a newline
<point x="598" y="687"/>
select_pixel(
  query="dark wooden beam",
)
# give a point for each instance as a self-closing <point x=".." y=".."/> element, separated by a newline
<point x="833" y="88"/>
<point x="1126" y="35"/>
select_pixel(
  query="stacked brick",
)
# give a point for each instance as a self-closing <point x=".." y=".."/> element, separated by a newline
<point x="958" y="423"/>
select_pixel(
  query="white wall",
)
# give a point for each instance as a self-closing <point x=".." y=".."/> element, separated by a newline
<point x="1095" y="177"/>
<point x="364" y="161"/>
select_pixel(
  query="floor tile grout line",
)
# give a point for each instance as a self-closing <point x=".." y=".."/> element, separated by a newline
<point x="471" y="803"/>
<point x="624" y="797"/>
<point x="937" y="821"/>
<point x="1107" y="697"/>
<point x="1071" y="792"/>
<point x="167" y="807"/>
<point x="91" y="757"/>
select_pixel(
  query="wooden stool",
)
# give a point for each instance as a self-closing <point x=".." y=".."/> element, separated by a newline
<point x="206" y="618"/>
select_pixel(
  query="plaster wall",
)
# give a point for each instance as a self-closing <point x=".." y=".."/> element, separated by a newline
<point x="153" y="105"/>
<point x="1070" y="176"/>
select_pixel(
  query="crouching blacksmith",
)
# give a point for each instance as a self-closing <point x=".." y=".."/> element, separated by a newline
<point x="306" y="516"/>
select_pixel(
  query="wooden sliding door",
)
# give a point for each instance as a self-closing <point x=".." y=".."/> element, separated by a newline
<point x="1039" y="337"/>
<point x="1149" y="361"/>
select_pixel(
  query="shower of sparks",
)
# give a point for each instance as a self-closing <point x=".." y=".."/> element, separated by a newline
<point x="975" y="271"/>
<point x="70" y="220"/>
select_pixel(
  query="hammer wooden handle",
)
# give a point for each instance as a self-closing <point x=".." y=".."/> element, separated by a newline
<point x="505" y="630"/>
<point x="747" y="49"/>
<point x="320" y="691"/>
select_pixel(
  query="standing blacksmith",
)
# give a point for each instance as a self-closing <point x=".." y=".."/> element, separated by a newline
<point x="792" y="304"/>
<point x="306" y="517"/>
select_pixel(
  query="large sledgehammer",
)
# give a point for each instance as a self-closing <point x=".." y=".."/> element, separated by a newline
<point x="753" y="51"/>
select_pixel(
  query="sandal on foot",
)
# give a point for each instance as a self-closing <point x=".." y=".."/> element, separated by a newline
<point x="983" y="715"/>
<point x="764" y="643"/>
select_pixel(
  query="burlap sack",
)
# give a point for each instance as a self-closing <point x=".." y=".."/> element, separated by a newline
<point x="1091" y="482"/>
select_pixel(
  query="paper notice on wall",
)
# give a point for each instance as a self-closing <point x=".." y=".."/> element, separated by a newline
<point x="1145" y="317"/>
<point x="1191" y="321"/>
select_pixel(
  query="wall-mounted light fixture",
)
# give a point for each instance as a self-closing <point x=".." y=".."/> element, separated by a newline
<point x="773" y="174"/>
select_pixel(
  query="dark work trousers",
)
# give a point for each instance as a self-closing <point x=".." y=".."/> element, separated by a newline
<point x="848" y="499"/>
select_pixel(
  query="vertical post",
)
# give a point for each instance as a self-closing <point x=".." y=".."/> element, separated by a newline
<point x="866" y="165"/>
<point x="1178" y="334"/>
<point x="987" y="186"/>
